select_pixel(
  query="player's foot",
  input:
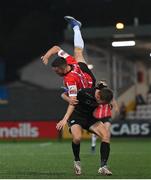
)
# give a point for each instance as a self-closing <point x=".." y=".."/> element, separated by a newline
<point x="72" y="21"/>
<point x="104" y="171"/>
<point x="93" y="149"/>
<point x="77" y="167"/>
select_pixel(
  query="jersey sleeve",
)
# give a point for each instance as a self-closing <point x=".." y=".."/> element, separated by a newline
<point x="69" y="58"/>
<point x="71" y="86"/>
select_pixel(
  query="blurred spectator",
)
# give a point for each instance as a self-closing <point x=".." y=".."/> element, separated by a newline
<point x="122" y="111"/>
<point x="140" y="100"/>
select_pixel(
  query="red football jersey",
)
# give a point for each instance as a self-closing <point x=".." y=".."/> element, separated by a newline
<point x="102" y="111"/>
<point x="76" y="78"/>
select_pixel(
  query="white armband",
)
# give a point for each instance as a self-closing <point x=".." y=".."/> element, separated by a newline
<point x="72" y="90"/>
<point x="63" y="54"/>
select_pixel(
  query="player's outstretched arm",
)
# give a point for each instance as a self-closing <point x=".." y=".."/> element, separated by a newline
<point x="61" y="124"/>
<point x="54" y="50"/>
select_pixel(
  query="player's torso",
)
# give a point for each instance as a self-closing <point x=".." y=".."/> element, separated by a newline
<point x="87" y="102"/>
<point x="80" y="78"/>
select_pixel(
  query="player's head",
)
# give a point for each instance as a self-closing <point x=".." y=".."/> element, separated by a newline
<point x="104" y="96"/>
<point x="101" y="84"/>
<point x="59" y="65"/>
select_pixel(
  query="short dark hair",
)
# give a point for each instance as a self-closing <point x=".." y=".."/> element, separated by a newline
<point x="59" y="62"/>
<point x="106" y="95"/>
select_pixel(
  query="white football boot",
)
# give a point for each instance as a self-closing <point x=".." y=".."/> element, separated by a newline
<point x="104" y="171"/>
<point x="77" y="167"/>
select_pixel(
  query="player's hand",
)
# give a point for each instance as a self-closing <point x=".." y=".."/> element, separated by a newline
<point x="73" y="102"/>
<point x="45" y="59"/>
<point x="61" y="124"/>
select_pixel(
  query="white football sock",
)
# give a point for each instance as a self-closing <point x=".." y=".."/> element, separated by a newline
<point x="93" y="140"/>
<point x="78" y="41"/>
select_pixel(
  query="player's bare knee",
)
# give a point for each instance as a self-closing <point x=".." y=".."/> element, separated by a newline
<point x="78" y="54"/>
<point x="77" y="139"/>
<point x="78" y="50"/>
<point x="104" y="135"/>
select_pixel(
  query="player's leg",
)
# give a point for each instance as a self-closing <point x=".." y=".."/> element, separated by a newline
<point x="108" y="127"/>
<point x="104" y="169"/>
<point x="93" y="143"/>
<point x="76" y="132"/>
<point x="100" y="129"/>
<point x="78" y="40"/>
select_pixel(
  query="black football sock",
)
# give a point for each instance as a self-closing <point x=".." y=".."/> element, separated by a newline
<point x="104" y="152"/>
<point x="76" y="151"/>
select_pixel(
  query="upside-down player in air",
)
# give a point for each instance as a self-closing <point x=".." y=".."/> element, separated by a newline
<point x="69" y="68"/>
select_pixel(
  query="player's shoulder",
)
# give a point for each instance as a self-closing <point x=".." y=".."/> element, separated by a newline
<point x="87" y="91"/>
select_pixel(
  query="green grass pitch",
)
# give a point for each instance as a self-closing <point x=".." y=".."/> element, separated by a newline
<point x="130" y="158"/>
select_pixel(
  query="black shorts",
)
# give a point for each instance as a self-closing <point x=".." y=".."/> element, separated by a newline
<point x="84" y="121"/>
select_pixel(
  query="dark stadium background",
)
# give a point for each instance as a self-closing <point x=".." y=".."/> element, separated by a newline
<point x="29" y="27"/>
<point x="30" y="145"/>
